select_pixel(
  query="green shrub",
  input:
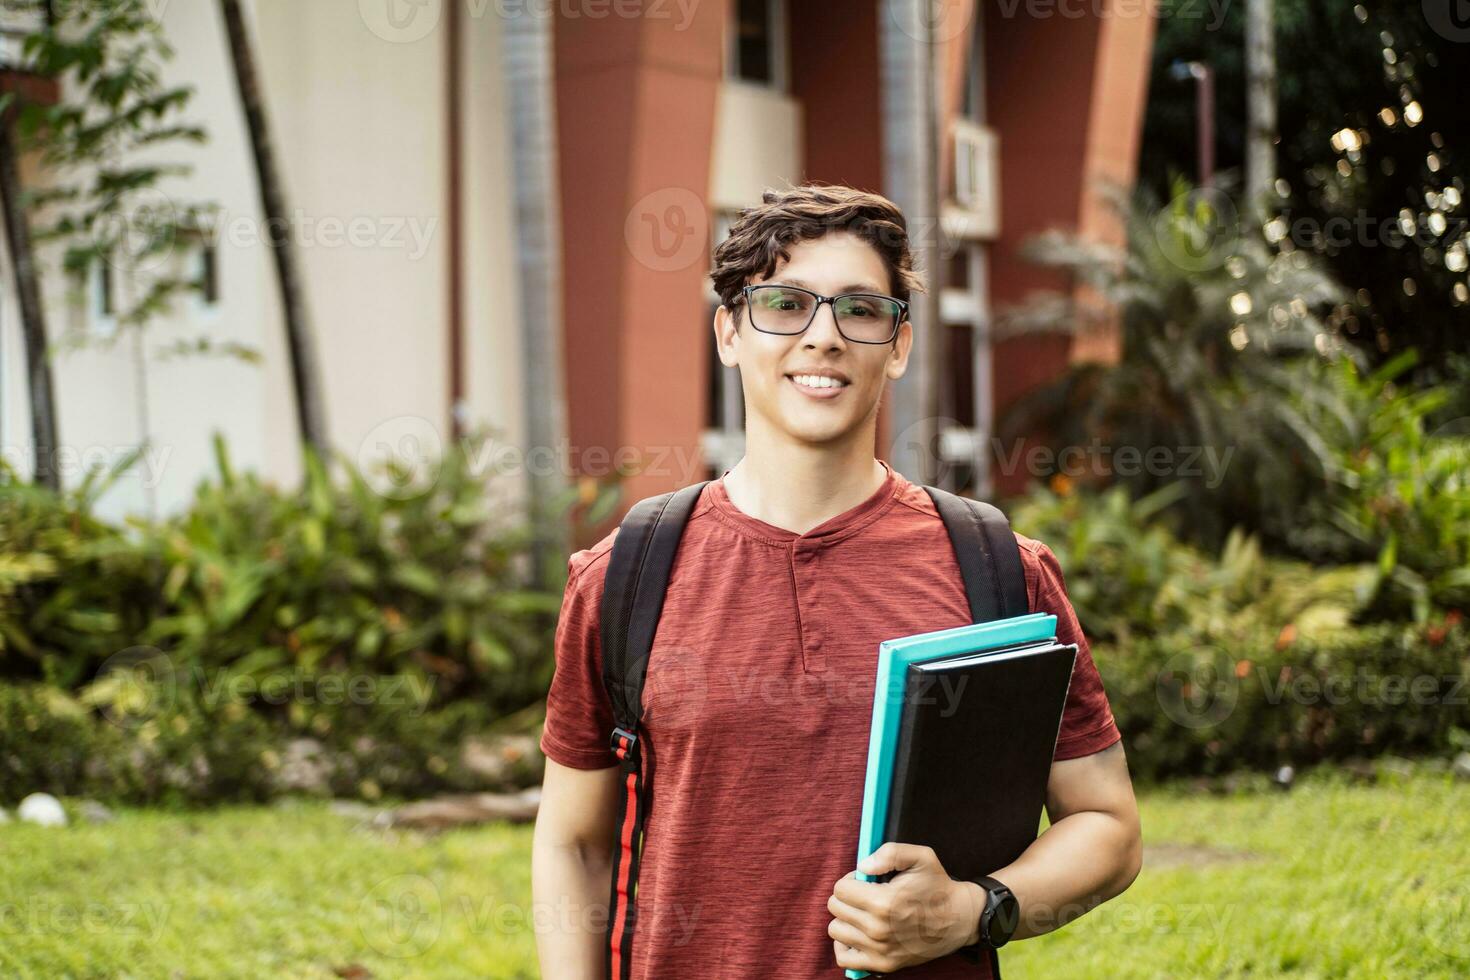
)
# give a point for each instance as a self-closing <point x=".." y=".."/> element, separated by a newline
<point x="1401" y="489"/>
<point x="142" y="661"/>
<point x="1389" y="484"/>
<point x="1127" y="572"/>
<point x="255" y="581"/>
<point x="48" y="739"/>
<point x="139" y="663"/>
<point x="338" y="577"/>
<point x="181" y="748"/>
<point x="72" y="588"/>
<point x="1229" y="353"/>
<point x="1212" y="321"/>
<point x="1244" y="660"/>
<point x="1258" y="694"/>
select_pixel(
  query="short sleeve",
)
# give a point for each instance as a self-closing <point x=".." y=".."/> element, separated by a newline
<point x="579" y="717"/>
<point x="1087" y="720"/>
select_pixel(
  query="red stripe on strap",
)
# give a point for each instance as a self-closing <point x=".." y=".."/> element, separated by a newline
<point x="625" y="864"/>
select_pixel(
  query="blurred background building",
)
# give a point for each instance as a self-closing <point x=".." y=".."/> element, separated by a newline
<point x="504" y="214"/>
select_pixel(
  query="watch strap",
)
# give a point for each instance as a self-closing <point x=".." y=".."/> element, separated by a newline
<point x="981" y="950"/>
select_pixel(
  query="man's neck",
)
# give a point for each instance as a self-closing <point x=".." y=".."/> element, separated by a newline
<point x="798" y="487"/>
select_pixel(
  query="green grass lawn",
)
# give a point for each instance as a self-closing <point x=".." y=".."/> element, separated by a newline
<point x="1329" y="880"/>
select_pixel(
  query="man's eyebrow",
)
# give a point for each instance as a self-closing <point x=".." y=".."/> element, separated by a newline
<point x="852" y="287"/>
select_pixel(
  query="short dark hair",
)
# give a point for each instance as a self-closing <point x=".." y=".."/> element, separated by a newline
<point x="762" y="235"/>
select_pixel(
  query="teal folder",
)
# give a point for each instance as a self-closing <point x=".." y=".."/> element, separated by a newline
<point x="894" y="659"/>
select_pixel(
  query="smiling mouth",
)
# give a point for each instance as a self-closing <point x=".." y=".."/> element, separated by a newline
<point x="817" y="383"/>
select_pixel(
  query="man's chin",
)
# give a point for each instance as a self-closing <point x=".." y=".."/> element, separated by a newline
<point x="822" y="433"/>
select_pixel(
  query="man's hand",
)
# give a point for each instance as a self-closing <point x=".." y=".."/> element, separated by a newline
<point x="919" y="915"/>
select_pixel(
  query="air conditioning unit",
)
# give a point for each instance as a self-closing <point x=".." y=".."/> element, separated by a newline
<point x="976" y="187"/>
<point x="958" y="444"/>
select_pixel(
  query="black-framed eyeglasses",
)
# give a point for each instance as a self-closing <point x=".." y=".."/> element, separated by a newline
<point x="863" y="318"/>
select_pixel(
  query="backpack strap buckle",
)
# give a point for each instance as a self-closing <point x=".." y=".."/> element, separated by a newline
<point x="623" y="743"/>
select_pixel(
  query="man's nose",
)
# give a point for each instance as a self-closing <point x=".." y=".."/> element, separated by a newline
<point x="823" y="329"/>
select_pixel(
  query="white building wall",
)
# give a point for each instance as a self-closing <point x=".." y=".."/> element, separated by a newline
<point x="362" y="133"/>
<point x="191" y="398"/>
<point x="357" y="115"/>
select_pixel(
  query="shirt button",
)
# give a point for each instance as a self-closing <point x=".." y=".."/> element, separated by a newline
<point x="815" y="642"/>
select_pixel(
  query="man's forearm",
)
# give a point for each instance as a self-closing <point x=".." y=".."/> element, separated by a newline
<point x="1081" y="861"/>
<point x="570" y="887"/>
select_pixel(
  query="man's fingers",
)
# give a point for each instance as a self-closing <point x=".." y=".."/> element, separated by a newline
<point x="869" y="924"/>
<point x="858" y="959"/>
<point x="895" y="857"/>
<point x="848" y="935"/>
<point x="865" y="895"/>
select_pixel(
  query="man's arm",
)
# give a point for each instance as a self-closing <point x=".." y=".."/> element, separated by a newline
<point x="572" y="856"/>
<point x="1091" y="852"/>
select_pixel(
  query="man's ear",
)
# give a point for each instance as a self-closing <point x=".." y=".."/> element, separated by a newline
<point x="898" y="357"/>
<point x="727" y="335"/>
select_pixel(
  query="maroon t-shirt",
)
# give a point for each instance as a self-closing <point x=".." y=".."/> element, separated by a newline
<point x="756" y="708"/>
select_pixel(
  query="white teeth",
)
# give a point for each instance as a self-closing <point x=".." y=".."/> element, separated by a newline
<point x="817" y="381"/>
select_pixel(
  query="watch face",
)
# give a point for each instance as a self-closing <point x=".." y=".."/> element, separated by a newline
<point x="1004" y="918"/>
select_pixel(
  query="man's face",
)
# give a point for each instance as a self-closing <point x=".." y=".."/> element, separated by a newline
<point x="776" y="370"/>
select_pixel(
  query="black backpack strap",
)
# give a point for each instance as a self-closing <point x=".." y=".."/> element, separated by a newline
<point x="990" y="559"/>
<point x="632" y="601"/>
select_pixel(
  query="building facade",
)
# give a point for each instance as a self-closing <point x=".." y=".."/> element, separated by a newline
<point x="397" y="135"/>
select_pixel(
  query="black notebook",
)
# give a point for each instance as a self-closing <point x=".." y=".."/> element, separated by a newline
<point x="974" y="753"/>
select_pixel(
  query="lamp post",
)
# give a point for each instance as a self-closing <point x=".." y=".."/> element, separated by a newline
<point x="1204" y="113"/>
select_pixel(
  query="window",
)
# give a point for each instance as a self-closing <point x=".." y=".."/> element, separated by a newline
<point x="723" y="439"/>
<point x="972" y="95"/>
<point x="964" y="385"/>
<point x="958" y="388"/>
<point x="105" y="290"/>
<point x="102" y="299"/>
<point x="757" y="50"/>
<point x="957" y="271"/>
<point x="209" y="275"/>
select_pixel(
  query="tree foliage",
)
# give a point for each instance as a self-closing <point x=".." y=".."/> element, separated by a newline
<point x="1372" y="114"/>
<point x="110" y="194"/>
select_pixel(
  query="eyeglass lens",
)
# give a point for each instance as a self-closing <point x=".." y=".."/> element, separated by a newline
<point x="864" y="318"/>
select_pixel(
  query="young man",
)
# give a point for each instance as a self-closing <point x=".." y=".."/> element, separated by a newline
<point x="793" y="566"/>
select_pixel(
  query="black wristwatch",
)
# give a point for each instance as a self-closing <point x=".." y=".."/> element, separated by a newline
<point x="998" y="920"/>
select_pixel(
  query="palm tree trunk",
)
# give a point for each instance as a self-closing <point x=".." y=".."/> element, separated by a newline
<point x="305" y="373"/>
<point x="1260" y="67"/>
<point x="32" y="314"/>
<point x="527" y="48"/>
